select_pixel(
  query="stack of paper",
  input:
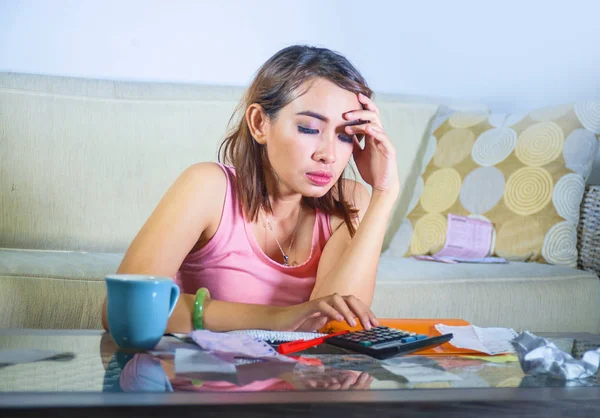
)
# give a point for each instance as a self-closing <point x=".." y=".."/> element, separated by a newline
<point x="486" y="340"/>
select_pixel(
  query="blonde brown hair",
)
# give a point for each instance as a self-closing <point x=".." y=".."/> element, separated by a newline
<point x="276" y="84"/>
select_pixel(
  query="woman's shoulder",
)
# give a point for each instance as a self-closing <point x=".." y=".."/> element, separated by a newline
<point x="206" y="182"/>
<point x="207" y="174"/>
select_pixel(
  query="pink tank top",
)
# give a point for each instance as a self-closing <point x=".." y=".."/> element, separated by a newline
<point x="233" y="267"/>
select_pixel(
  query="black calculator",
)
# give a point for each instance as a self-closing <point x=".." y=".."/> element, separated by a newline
<point x="385" y="342"/>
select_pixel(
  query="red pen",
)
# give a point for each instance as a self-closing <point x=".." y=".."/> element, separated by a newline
<point x="299" y="345"/>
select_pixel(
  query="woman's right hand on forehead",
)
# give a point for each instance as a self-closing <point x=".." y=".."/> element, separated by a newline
<point x="314" y="314"/>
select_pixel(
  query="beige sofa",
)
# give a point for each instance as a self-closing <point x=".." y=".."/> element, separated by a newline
<point x="84" y="162"/>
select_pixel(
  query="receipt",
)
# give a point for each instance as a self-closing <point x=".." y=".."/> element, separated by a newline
<point x="466" y="238"/>
<point x="486" y="340"/>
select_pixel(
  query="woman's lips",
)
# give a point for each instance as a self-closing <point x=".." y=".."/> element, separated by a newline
<point x="319" y="178"/>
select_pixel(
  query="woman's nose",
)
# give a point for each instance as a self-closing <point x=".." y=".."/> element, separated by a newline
<point x="326" y="152"/>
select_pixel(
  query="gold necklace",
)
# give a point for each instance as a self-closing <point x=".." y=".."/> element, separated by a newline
<point x="286" y="258"/>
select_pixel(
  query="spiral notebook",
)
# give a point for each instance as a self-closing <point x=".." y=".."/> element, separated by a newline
<point x="271" y="337"/>
<point x="276" y="337"/>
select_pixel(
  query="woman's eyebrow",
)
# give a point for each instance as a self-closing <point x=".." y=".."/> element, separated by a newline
<point x="314" y="115"/>
<point x="326" y="119"/>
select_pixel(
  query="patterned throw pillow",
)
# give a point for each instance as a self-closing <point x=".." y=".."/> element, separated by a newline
<point x="523" y="172"/>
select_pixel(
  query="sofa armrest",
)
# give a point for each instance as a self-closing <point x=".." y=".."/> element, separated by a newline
<point x="588" y="231"/>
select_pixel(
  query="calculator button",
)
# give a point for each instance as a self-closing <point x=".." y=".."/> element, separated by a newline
<point x="408" y="339"/>
<point x="421" y="337"/>
<point x="366" y="343"/>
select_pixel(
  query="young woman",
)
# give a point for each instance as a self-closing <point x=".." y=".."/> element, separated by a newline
<point x="278" y="237"/>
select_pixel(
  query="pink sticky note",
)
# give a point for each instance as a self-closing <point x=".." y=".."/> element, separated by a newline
<point x="466" y="238"/>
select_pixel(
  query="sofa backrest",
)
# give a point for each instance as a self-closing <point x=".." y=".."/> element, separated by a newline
<point x="84" y="162"/>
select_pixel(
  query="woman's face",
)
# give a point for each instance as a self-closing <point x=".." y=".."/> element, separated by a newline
<point x="307" y="145"/>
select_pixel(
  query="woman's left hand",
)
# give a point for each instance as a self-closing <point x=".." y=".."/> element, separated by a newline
<point x="376" y="162"/>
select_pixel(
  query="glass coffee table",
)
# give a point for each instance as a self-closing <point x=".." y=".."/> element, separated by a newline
<point x="98" y="379"/>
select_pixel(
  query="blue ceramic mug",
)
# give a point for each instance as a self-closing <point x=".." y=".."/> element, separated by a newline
<point x="138" y="308"/>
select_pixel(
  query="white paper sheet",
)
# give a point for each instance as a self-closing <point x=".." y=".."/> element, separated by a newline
<point x="486" y="340"/>
<point x="418" y="369"/>
<point x="204" y="365"/>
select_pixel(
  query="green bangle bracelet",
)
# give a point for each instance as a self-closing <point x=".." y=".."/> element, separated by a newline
<point x="198" y="316"/>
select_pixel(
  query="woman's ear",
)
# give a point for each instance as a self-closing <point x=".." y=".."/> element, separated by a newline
<point x="257" y="122"/>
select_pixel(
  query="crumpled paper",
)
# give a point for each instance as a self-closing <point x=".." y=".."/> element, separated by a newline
<point x="538" y="356"/>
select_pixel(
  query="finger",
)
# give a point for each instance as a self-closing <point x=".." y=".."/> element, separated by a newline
<point x="362" y="382"/>
<point x="368" y="128"/>
<point x="322" y="384"/>
<point x="366" y="384"/>
<point x="340" y="305"/>
<point x="311" y="383"/>
<point x="347" y="382"/>
<point x="360" y="310"/>
<point x="320" y="323"/>
<point x="329" y="311"/>
<point x="382" y="142"/>
<point x="368" y="103"/>
<point x="362" y="379"/>
<point x="332" y="380"/>
<point x="357" y="116"/>
<point x="313" y="323"/>
<point x="357" y="148"/>
<point x="373" y="318"/>
<point x="359" y="131"/>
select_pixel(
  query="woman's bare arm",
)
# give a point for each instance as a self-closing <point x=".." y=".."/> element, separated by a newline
<point x="348" y="265"/>
<point x="172" y="230"/>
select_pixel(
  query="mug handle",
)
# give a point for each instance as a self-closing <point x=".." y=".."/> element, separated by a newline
<point x="174" y="297"/>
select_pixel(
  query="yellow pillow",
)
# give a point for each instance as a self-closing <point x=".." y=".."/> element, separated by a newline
<point x="523" y="172"/>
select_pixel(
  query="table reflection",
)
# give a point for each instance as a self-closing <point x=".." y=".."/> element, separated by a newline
<point x="99" y="365"/>
<point x="128" y="371"/>
<point x="155" y="372"/>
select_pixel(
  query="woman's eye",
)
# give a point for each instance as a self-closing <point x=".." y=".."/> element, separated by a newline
<point x="346" y="138"/>
<point x="343" y="137"/>
<point x="304" y="130"/>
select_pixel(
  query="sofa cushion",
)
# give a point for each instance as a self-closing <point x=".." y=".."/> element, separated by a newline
<point x="525" y="296"/>
<point x="53" y="289"/>
<point x="525" y="173"/>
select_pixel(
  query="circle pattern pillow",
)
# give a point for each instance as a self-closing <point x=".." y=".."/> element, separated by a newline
<point x="524" y="172"/>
